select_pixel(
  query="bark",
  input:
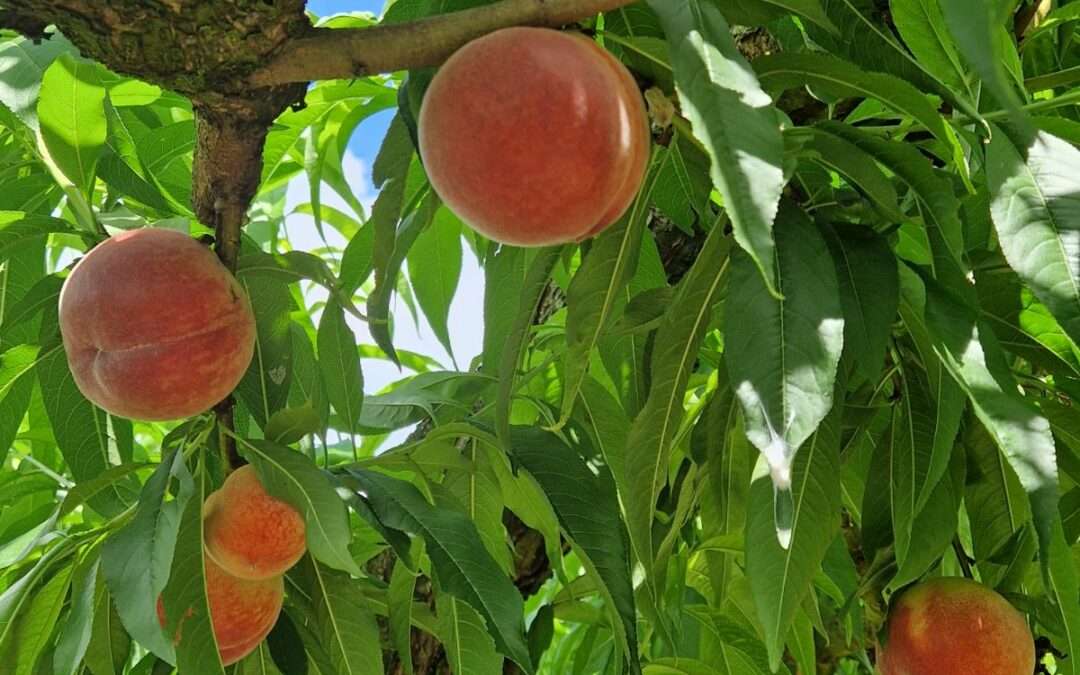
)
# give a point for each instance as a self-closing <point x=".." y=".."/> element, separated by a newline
<point x="226" y="174"/>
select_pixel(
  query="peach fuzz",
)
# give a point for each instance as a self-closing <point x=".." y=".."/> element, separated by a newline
<point x="154" y="326"/>
<point x="242" y="612"/>
<point x="534" y="137"/>
<point x="249" y="533"/>
<point x="954" y="626"/>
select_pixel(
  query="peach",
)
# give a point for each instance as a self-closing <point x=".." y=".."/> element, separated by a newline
<point x="955" y="626"/>
<point x="534" y="136"/>
<point x="154" y="326"/>
<point x="242" y="612"/>
<point x="249" y="533"/>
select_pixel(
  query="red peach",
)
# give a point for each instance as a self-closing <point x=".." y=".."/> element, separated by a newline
<point x="955" y="626"/>
<point x="534" y="137"/>
<point x="154" y="326"/>
<point x="249" y="533"/>
<point x="242" y="612"/>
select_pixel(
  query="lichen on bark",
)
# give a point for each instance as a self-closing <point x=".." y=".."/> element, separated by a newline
<point x="191" y="46"/>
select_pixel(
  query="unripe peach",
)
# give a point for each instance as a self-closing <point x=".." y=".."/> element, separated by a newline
<point x="249" y="533"/>
<point x="954" y="626"/>
<point x="534" y="136"/>
<point x="242" y="612"/>
<point x="154" y="326"/>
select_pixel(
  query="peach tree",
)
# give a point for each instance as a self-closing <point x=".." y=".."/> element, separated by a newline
<point x="795" y="334"/>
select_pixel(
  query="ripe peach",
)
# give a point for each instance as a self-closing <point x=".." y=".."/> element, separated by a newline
<point x="154" y="326"/>
<point x="242" y="612"/>
<point x="956" y="626"/>
<point x="534" y="137"/>
<point x="249" y="533"/>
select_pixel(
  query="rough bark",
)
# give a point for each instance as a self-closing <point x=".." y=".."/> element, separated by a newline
<point x="196" y="47"/>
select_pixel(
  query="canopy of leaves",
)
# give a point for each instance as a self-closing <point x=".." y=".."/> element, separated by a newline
<point x="834" y="349"/>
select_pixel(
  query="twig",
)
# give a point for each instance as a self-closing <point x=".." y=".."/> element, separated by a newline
<point x="327" y="54"/>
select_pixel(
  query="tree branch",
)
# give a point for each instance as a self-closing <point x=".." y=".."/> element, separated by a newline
<point x="327" y="54"/>
<point x="31" y="27"/>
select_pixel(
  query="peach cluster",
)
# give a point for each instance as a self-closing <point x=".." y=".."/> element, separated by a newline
<point x="155" y="328"/>
<point x="250" y="540"/>
<point x="534" y="136"/>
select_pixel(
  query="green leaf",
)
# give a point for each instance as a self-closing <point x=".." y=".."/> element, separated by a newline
<point x="737" y="636"/>
<point x="790" y="70"/>
<point x="18" y="229"/>
<point x="82" y="430"/>
<point x="1063" y="584"/>
<point x="978" y="27"/>
<point x="475" y="491"/>
<point x="294" y="478"/>
<point x="137" y="558"/>
<point x="74" y="638"/>
<point x="729" y="458"/>
<point x="32" y="628"/>
<point x="431" y="394"/>
<point x="186" y="608"/>
<point x="780" y="577"/>
<point x="24" y="67"/>
<point x="44" y="293"/>
<point x="85" y="490"/>
<point x="919" y="444"/>
<point x="923" y="28"/>
<point x="15" y="364"/>
<point x="513" y="349"/>
<point x="869" y="292"/>
<point x="259" y="662"/>
<point x="264" y="388"/>
<point x="290" y="425"/>
<point x="974" y="358"/>
<point x="934" y="193"/>
<point x="110" y="645"/>
<point x="733" y="118"/>
<point x="675" y="351"/>
<point x="390" y="242"/>
<point x="809" y="9"/>
<point x="934" y="527"/>
<point x="386" y="275"/>
<point x="342" y="620"/>
<point x="434" y="268"/>
<point x="607" y="424"/>
<point x="1024" y="325"/>
<point x="469" y="647"/>
<point x="72" y="117"/>
<point x="462" y="565"/>
<point x="588" y="509"/>
<point x="996" y="504"/>
<point x="339" y="363"/>
<point x="504" y="276"/>
<point x="17" y="596"/>
<point x="684" y="666"/>
<point x="399" y="600"/>
<point x="801" y="643"/>
<point x="356" y="261"/>
<point x="1036" y="212"/>
<point x="595" y="294"/>
<point x="856" y="166"/>
<point x="782" y="355"/>
<point x="295" y="266"/>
